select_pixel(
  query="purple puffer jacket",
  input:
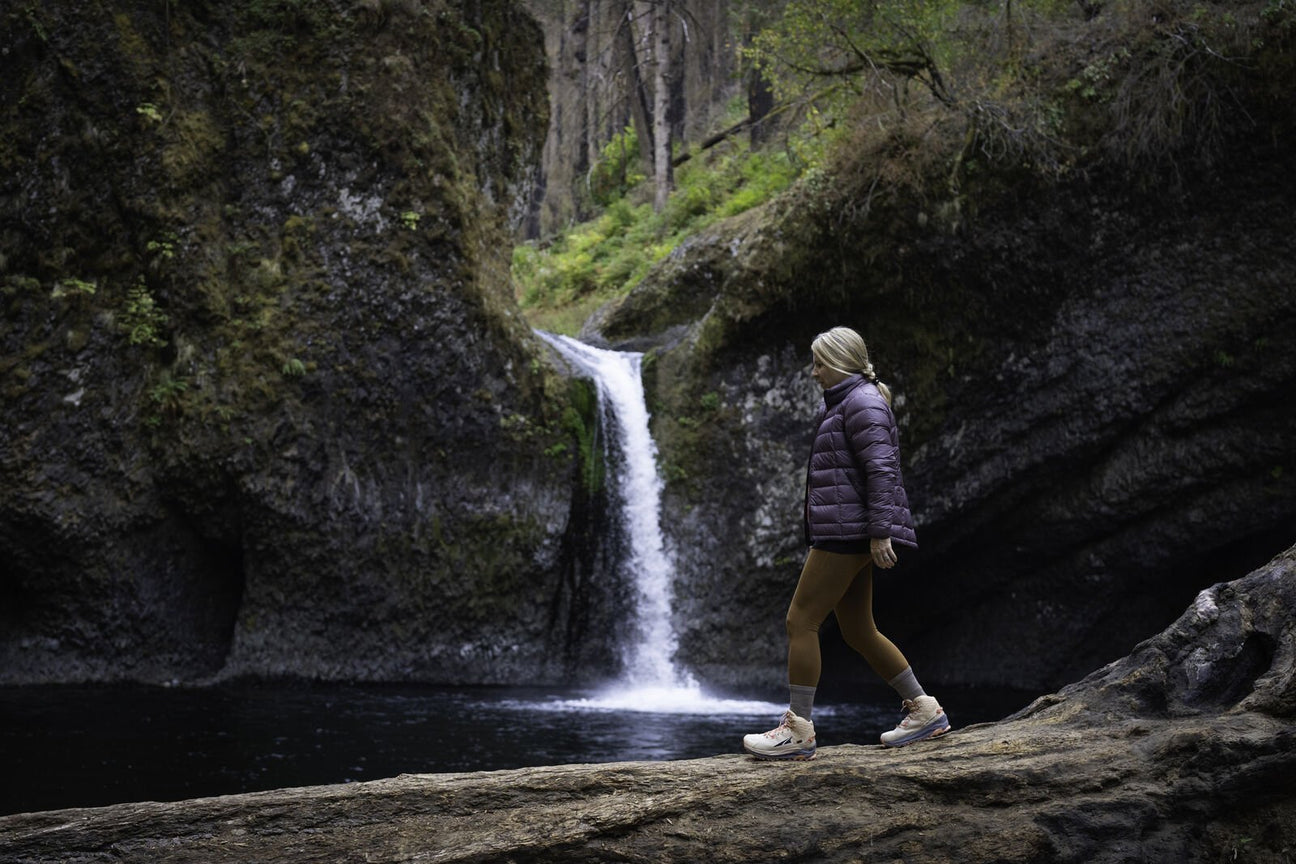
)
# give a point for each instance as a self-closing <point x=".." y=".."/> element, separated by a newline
<point x="854" y="490"/>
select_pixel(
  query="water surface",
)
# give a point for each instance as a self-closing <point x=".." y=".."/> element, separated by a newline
<point x="90" y="746"/>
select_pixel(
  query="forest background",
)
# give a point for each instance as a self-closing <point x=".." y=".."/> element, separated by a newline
<point x="693" y="112"/>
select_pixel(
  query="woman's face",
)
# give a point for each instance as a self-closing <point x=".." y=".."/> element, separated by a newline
<point x="826" y="377"/>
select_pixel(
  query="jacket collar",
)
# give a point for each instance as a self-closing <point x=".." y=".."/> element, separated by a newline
<point x="838" y="391"/>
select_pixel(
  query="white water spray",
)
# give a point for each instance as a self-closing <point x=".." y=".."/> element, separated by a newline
<point x="652" y="680"/>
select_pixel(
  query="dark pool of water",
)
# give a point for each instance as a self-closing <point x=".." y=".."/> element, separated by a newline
<point x="90" y="746"/>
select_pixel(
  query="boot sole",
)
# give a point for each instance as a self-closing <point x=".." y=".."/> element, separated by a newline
<point x="795" y="756"/>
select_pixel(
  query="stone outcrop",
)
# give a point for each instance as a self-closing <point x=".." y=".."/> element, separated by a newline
<point x="1182" y="751"/>
<point x="1092" y="384"/>
<point x="268" y="405"/>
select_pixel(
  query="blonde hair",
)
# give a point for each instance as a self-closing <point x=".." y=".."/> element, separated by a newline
<point x="842" y="349"/>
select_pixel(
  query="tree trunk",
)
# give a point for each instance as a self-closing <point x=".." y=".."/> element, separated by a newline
<point x="760" y="93"/>
<point x="636" y="90"/>
<point x="662" y="174"/>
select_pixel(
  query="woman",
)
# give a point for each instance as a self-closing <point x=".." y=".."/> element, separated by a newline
<point x="856" y="514"/>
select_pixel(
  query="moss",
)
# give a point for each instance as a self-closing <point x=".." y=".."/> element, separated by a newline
<point x="135" y="51"/>
<point x="581" y="419"/>
<point x="296" y="236"/>
<point x="251" y="297"/>
<point x="77" y="339"/>
<point x="195" y="141"/>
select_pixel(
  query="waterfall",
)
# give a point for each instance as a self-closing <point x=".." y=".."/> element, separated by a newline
<point x="652" y="681"/>
<point x="649" y="657"/>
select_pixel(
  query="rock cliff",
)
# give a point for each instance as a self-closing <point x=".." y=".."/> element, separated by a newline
<point x="1182" y="751"/>
<point x="1091" y="376"/>
<point x="268" y="405"/>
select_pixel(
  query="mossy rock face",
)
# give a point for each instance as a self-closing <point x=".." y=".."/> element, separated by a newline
<point x="1089" y="378"/>
<point x="268" y="405"/>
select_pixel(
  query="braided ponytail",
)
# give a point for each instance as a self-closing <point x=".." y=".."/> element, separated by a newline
<point x="842" y="349"/>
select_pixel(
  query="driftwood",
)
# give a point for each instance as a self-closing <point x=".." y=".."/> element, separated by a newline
<point x="1183" y="751"/>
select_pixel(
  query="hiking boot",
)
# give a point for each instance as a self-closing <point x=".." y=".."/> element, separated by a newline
<point x="793" y="739"/>
<point x="925" y="719"/>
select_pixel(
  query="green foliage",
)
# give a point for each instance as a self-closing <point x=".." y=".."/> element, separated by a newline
<point x="701" y="422"/>
<point x="162" y="250"/>
<point x="140" y="318"/>
<point x="559" y="284"/>
<point x="925" y="111"/>
<point x="832" y="50"/>
<point x="73" y="287"/>
<point x="1279" y="18"/>
<point x="168" y="393"/>
<point x="581" y="420"/>
<point x="618" y="170"/>
<point x="1094" y="81"/>
<point x="149" y="111"/>
<point x="31" y="12"/>
<point x="761" y="177"/>
<point x="1170" y="92"/>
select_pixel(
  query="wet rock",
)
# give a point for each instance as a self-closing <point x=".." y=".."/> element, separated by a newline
<point x="1182" y="751"/>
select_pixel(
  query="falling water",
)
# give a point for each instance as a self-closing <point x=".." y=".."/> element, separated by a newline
<point x="652" y="680"/>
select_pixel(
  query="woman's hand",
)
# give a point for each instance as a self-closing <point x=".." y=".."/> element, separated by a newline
<point x="883" y="555"/>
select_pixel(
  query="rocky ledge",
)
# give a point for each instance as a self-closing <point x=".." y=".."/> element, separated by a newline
<point x="1182" y="751"/>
